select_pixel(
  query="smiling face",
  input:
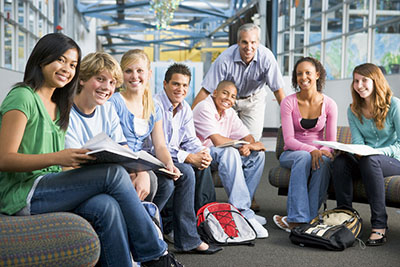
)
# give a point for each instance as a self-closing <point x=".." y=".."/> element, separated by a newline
<point x="248" y="44"/>
<point x="137" y="76"/>
<point x="363" y="85"/>
<point x="224" y="96"/>
<point x="98" y="89"/>
<point x="306" y="76"/>
<point x="60" y="72"/>
<point x="177" y="88"/>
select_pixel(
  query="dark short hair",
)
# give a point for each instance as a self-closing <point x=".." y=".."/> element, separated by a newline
<point x="318" y="67"/>
<point x="48" y="49"/>
<point x="177" y="68"/>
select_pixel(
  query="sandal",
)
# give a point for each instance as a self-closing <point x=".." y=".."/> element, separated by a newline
<point x="376" y="242"/>
<point x="281" y="222"/>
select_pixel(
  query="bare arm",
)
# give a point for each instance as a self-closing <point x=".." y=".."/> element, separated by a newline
<point x="279" y="95"/>
<point x="11" y="133"/>
<point x="201" y="95"/>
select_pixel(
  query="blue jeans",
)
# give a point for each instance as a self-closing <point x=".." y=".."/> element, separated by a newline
<point x="372" y="170"/>
<point x="239" y="175"/>
<point x="103" y="195"/>
<point x="184" y="219"/>
<point x="307" y="187"/>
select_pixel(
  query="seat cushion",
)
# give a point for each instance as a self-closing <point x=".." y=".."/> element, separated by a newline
<point x="53" y="239"/>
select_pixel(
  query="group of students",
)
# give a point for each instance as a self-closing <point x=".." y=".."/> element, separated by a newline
<point x="63" y="102"/>
<point x="309" y="115"/>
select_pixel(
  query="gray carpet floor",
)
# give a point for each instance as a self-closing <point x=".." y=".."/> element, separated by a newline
<point x="277" y="250"/>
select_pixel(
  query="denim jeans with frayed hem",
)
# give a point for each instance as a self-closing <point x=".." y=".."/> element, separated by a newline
<point x="103" y="195"/>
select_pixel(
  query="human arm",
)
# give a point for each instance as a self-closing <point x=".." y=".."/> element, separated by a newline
<point x="11" y="133"/>
<point x="201" y="95"/>
<point x="279" y="95"/>
<point x="161" y="150"/>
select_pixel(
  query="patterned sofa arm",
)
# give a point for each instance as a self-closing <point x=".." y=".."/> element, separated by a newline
<point x="279" y="176"/>
<point x="53" y="239"/>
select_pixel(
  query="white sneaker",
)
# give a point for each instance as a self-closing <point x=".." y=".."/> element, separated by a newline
<point x="260" y="230"/>
<point x="262" y="220"/>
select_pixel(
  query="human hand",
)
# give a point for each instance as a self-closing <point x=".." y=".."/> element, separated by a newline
<point x="172" y="168"/>
<point x="316" y="158"/>
<point x="141" y="182"/>
<point x="72" y="157"/>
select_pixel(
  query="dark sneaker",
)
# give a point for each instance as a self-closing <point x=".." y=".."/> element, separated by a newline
<point x="168" y="260"/>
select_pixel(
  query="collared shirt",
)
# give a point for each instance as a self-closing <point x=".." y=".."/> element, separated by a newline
<point x="179" y="132"/>
<point x="386" y="140"/>
<point x="208" y="122"/>
<point x="262" y="70"/>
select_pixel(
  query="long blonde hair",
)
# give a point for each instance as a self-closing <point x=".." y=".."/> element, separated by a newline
<point x="381" y="96"/>
<point x="130" y="57"/>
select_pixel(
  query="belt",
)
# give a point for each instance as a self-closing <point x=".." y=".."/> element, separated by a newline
<point x="247" y="97"/>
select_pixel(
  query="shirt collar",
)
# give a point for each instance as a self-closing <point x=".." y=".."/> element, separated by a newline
<point x="167" y="103"/>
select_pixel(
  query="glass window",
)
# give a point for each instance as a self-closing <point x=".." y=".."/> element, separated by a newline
<point x="299" y="39"/>
<point x="8" y="44"/>
<point x="387" y="10"/>
<point x="359" y="5"/>
<point x="334" y="23"/>
<point x="356" y="51"/>
<point x="286" y="38"/>
<point x="333" y="59"/>
<point x="357" y="21"/>
<point x="299" y="11"/>
<point x="315" y="30"/>
<point x="21" y="51"/>
<point x="285" y="65"/>
<point x="40" y="27"/>
<point x="386" y="47"/>
<point x="316" y="7"/>
<point x="332" y="3"/>
<point x="21" y="13"/>
<point x="8" y="9"/>
<point x="31" y="20"/>
<point x="315" y="51"/>
<point x="284" y="11"/>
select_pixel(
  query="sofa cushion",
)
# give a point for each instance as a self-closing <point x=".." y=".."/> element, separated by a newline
<point x="279" y="176"/>
<point x="53" y="239"/>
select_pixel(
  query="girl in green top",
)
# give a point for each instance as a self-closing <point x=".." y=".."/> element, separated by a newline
<point x="374" y="119"/>
<point x="33" y="119"/>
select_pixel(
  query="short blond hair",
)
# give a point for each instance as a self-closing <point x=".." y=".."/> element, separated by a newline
<point x="94" y="63"/>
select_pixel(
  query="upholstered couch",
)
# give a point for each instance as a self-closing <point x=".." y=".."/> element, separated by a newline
<point x="53" y="239"/>
<point x="279" y="176"/>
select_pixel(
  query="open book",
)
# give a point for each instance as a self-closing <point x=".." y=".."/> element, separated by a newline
<point x="107" y="150"/>
<point x="362" y="150"/>
<point x="234" y="143"/>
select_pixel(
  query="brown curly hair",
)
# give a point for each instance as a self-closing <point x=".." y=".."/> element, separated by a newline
<point x="381" y="96"/>
<point x="319" y="69"/>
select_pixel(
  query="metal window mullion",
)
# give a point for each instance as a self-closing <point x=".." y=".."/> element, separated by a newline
<point x="345" y="29"/>
<point x="307" y="15"/>
<point x="371" y="33"/>
<point x="292" y="28"/>
<point x="323" y="29"/>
